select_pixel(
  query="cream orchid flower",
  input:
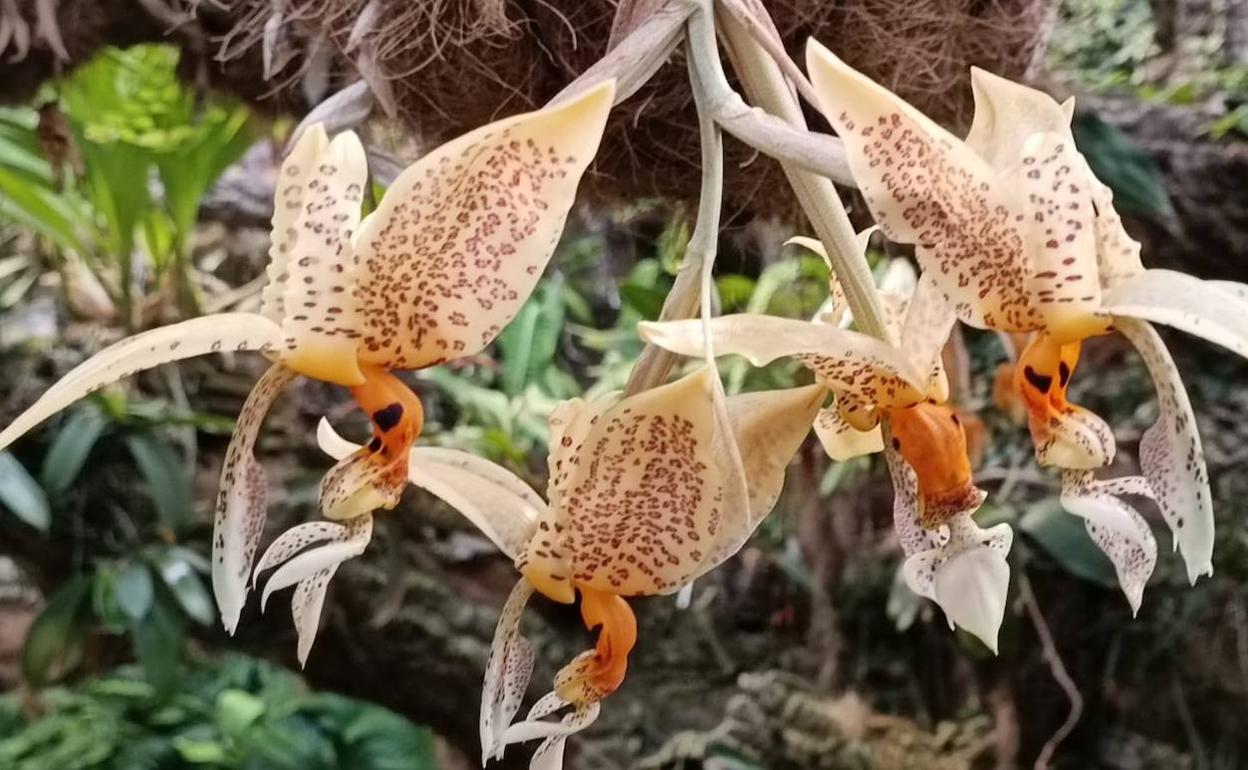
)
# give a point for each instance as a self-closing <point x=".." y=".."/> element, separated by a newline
<point x="646" y="493"/>
<point x="949" y="559"/>
<point x="1021" y="237"/>
<point x="452" y="251"/>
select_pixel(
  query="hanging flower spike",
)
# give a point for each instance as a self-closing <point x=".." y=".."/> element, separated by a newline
<point x="646" y="493"/>
<point x="452" y="252"/>
<point x="1021" y="236"/>
<point x="903" y="381"/>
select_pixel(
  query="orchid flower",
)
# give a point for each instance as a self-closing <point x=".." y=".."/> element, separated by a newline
<point x="901" y="382"/>
<point x="646" y="493"/>
<point x="1020" y="236"/>
<point x="451" y="253"/>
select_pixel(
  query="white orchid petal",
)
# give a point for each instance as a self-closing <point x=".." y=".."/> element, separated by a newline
<point x="294" y="540"/>
<point x="535" y="727"/>
<point x="929" y="320"/>
<point x="507" y="673"/>
<point x="1171" y="455"/>
<point x="221" y="333"/>
<point x="351" y="542"/>
<point x="1236" y="289"/>
<point x="1184" y="302"/>
<point x="291" y="188"/>
<point x="971" y="588"/>
<point x="1117" y="529"/>
<point x="305" y="607"/>
<point x="242" y="499"/>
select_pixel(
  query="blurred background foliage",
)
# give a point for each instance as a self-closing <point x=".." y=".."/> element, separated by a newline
<point x="105" y="512"/>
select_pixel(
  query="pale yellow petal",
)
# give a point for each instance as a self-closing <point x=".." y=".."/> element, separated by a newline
<point x="225" y="332"/>
<point x="925" y="187"/>
<point x="643" y="502"/>
<point x="321" y="313"/>
<point x="767" y="428"/>
<point x="843" y="441"/>
<point x="461" y="237"/>
<point x="1006" y="114"/>
<point x="1184" y="302"/>
<point x="844" y="360"/>
<point x="929" y="321"/>
<point x="291" y="188"/>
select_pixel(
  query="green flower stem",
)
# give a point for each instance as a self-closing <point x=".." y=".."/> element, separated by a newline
<point x="765" y="84"/>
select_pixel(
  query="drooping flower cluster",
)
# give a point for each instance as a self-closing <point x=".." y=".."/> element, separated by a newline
<point x="651" y="489"/>
<point x="1020" y="236"/>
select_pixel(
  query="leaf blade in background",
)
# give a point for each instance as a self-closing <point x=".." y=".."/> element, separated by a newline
<point x="68" y="453"/>
<point x="22" y="495"/>
<point x="1065" y="539"/>
<point x="57" y="639"/>
<point x="166" y="482"/>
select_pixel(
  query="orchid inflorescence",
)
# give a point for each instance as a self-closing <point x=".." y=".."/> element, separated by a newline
<point x="650" y="488"/>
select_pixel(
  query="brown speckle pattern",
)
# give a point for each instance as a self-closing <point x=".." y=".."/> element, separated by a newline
<point x="462" y="237"/>
<point x="242" y="497"/>
<point x="1171" y="455"/>
<point x="1117" y="528"/>
<point x="318" y="303"/>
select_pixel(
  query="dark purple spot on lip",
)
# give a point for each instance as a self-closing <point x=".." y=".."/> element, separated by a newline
<point x="1041" y="382"/>
<point x="388" y="417"/>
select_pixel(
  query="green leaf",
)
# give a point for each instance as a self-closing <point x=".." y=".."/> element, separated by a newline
<point x="178" y="572"/>
<point x="1128" y="170"/>
<point x="529" y="343"/>
<point x="133" y="591"/>
<point x="646" y="300"/>
<point x="22" y="495"/>
<point x="166" y="481"/>
<point x="1064" y="538"/>
<point x="69" y="450"/>
<point x="104" y="600"/>
<point x="734" y="291"/>
<point x="237" y="711"/>
<point x="158" y="640"/>
<point x="57" y="638"/>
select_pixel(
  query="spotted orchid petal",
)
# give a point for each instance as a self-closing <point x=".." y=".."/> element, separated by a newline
<point x="1007" y="114"/>
<point x="242" y="499"/>
<point x="1011" y="242"/>
<point x="959" y="566"/>
<point x="311" y="570"/>
<point x="549" y="754"/>
<point x="462" y="236"/>
<point x="642" y="505"/>
<point x="224" y="332"/>
<point x="1116" y="527"/>
<point x="766" y="428"/>
<point x="1236" y="289"/>
<point x="322" y="184"/>
<point x="507" y="673"/>
<point x="929" y="320"/>
<point x="1206" y="310"/>
<point x="497" y="502"/>
<point x="1171" y="456"/>
<point x="846" y="361"/>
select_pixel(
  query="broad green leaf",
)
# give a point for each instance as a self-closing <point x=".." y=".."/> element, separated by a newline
<point x="22" y="495"/>
<point x="57" y="638"/>
<point x="178" y="572"/>
<point x="134" y="591"/>
<point x="529" y="342"/>
<point x="1065" y="539"/>
<point x="158" y="638"/>
<point x="166" y="480"/>
<point x="646" y="300"/>
<point x="237" y="711"/>
<point x="104" y="600"/>
<point x="73" y="443"/>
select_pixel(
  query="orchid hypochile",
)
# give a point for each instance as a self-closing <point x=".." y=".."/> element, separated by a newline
<point x="1022" y="237"/>
<point x="897" y="381"/>
<point x="452" y="251"/>
<point x="646" y="493"/>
